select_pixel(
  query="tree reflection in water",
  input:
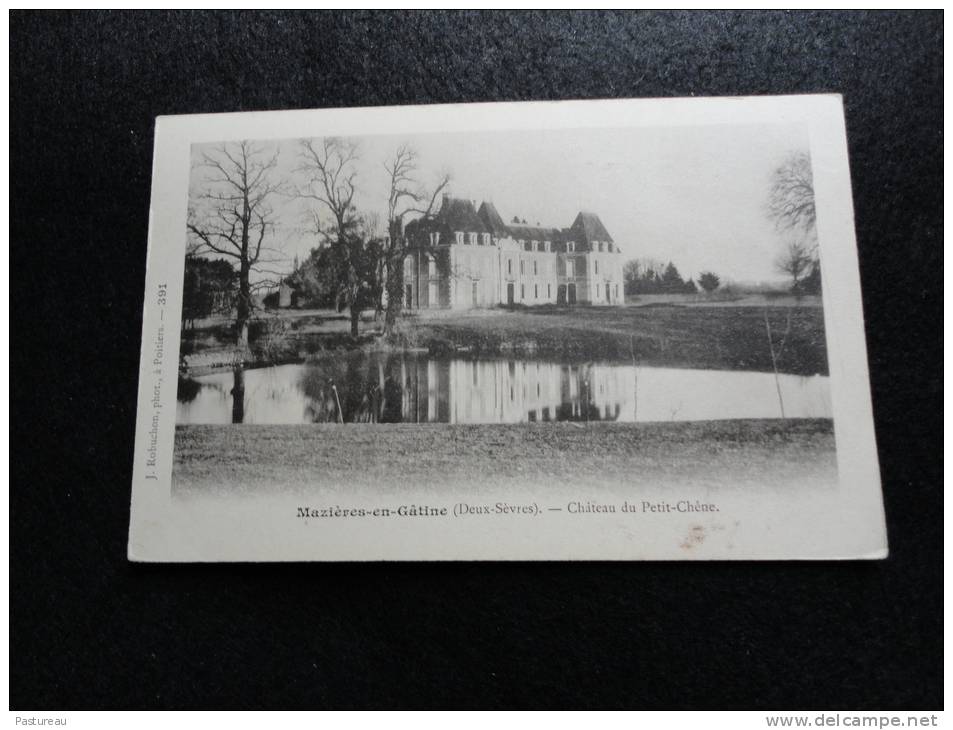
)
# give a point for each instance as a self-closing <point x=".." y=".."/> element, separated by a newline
<point x="360" y="387"/>
<point x="368" y="389"/>
<point x="407" y="388"/>
<point x="238" y="394"/>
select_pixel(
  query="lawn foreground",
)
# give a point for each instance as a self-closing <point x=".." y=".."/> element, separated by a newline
<point x="364" y="459"/>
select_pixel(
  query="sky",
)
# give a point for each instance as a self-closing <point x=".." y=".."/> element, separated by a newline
<point x="693" y="195"/>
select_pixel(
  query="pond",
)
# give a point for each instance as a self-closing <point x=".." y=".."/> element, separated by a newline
<point x="408" y="388"/>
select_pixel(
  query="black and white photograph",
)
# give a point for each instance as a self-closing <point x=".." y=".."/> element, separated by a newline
<point x="508" y="328"/>
<point x="472" y="281"/>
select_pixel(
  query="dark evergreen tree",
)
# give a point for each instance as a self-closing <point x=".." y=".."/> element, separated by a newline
<point x="209" y="286"/>
<point x="672" y="282"/>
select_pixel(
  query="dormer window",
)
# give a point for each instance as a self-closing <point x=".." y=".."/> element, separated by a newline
<point x="546" y="246"/>
<point x="599" y="245"/>
<point x="459" y="238"/>
<point x="610" y="247"/>
<point x="473" y="239"/>
<point x="486" y="239"/>
<point x="535" y="246"/>
<point x="570" y="246"/>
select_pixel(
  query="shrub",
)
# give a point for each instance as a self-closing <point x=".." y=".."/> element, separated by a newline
<point x="709" y="281"/>
<point x="271" y="339"/>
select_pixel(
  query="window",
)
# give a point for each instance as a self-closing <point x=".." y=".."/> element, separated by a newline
<point x="431" y="267"/>
<point x="522" y="267"/>
<point x="535" y="245"/>
<point x="509" y="266"/>
<point x="597" y="266"/>
<point x="610" y="247"/>
<point x="473" y="239"/>
<point x="616" y="291"/>
<point x="599" y="246"/>
<point x="571" y="246"/>
<point x="535" y="269"/>
<point x="409" y="266"/>
<point x="535" y="291"/>
<point x="569" y="269"/>
<point x="549" y="291"/>
<point x="546" y="246"/>
<point x="459" y="237"/>
<point x="486" y="239"/>
<point x="522" y="291"/>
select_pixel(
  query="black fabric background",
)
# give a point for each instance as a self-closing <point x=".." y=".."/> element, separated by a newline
<point x="89" y="630"/>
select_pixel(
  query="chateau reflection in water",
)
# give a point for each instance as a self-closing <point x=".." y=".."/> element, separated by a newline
<point x="513" y="391"/>
<point x="358" y="388"/>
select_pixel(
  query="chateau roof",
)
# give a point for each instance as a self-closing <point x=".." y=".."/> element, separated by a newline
<point x="535" y="233"/>
<point x="460" y="215"/>
<point x="589" y="228"/>
<point x="492" y="220"/>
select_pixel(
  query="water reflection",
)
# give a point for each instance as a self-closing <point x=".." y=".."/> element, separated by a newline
<point x="358" y="388"/>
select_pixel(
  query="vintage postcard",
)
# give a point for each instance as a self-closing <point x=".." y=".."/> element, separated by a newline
<point x="582" y="330"/>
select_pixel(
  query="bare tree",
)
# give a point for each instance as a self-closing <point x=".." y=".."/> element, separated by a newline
<point x="329" y="167"/>
<point x="791" y="202"/>
<point x="232" y="216"/>
<point x="796" y="262"/>
<point x="791" y="207"/>
<point x="406" y="196"/>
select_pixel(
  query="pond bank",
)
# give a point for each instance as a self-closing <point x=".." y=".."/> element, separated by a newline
<point x="723" y="337"/>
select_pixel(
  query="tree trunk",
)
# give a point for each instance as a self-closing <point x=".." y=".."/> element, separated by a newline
<point x="242" y="314"/>
<point x="394" y="277"/>
<point x="395" y="293"/>
<point x="238" y="394"/>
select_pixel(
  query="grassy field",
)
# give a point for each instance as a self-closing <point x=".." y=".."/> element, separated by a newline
<point x="369" y="459"/>
<point x="663" y="333"/>
<point x="728" y="337"/>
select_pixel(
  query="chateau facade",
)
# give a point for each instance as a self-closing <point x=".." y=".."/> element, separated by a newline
<point x="465" y="258"/>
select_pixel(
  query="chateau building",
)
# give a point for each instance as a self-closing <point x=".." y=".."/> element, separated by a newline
<point x="464" y="257"/>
